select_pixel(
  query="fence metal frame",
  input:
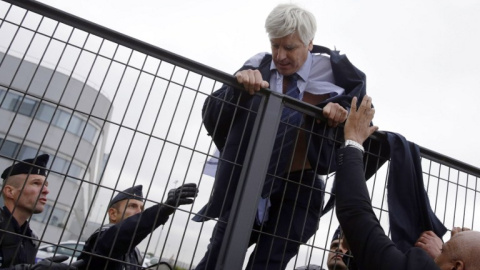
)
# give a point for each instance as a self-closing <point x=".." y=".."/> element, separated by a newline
<point x="235" y="242"/>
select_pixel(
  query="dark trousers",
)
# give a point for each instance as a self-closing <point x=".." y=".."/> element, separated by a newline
<point x="293" y="219"/>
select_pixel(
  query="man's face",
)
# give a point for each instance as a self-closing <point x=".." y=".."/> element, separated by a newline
<point x="289" y="53"/>
<point x="32" y="197"/>
<point x="337" y="249"/>
<point x="444" y="260"/>
<point x="126" y="209"/>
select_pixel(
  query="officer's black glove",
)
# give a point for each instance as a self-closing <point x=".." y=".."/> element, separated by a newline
<point x="184" y="194"/>
<point x="53" y="263"/>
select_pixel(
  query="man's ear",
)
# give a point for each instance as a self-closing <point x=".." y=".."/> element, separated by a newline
<point x="9" y="192"/>
<point x="310" y="45"/>
<point x="459" y="265"/>
<point x="112" y="214"/>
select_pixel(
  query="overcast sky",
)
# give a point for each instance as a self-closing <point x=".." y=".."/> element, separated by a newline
<point x="421" y="57"/>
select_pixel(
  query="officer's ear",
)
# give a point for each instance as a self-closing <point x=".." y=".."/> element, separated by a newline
<point x="112" y="214"/>
<point x="9" y="192"/>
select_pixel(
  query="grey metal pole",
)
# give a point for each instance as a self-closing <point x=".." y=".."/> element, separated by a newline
<point x="244" y="208"/>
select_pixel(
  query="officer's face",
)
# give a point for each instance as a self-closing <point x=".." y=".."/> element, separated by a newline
<point x="289" y="53"/>
<point x="126" y="209"/>
<point x="337" y="249"/>
<point x="31" y="197"/>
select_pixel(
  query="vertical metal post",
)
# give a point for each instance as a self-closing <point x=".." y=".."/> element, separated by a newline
<point x="244" y="208"/>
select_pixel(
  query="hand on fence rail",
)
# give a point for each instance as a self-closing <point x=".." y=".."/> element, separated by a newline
<point x="252" y="80"/>
<point x="335" y="114"/>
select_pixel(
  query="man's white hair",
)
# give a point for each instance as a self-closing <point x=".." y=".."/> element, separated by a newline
<point x="286" y="19"/>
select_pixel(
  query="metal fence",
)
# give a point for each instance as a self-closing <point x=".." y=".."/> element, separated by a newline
<point x="114" y="112"/>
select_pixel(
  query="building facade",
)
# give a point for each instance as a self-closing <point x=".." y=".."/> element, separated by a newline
<point x="46" y="111"/>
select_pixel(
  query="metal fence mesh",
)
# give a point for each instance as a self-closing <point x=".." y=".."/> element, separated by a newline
<point x="114" y="113"/>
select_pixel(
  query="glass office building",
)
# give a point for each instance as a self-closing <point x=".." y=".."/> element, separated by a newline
<point x="46" y="111"/>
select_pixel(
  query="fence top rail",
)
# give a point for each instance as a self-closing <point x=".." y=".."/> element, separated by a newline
<point x="122" y="39"/>
<point x="178" y="60"/>
<point x="437" y="157"/>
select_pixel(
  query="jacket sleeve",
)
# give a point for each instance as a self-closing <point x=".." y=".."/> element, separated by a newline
<point x="217" y="109"/>
<point x="220" y="108"/>
<point x="370" y="246"/>
<point x="122" y="237"/>
<point x="324" y="139"/>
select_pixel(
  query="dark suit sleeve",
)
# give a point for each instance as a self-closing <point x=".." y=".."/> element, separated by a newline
<point x="217" y="109"/>
<point x="126" y="235"/>
<point x="220" y="108"/>
<point x="370" y="246"/>
<point x="324" y="139"/>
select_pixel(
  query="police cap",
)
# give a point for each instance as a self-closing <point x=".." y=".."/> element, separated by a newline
<point x="129" y="193"/>
<point x="28" y="166"/>
<point x="337" y="234"/>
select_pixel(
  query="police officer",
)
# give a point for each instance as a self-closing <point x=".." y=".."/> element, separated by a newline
<point x="24" y="191"/>
<point x="114" y="245"/>
<point x="340" y="256"/>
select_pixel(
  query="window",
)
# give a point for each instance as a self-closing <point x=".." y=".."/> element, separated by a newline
<point x="76" y="125"/>
<point x="28" y="106"/>
<point x="9" y="148"/>
<point x="59" y="165"/>
<point x="2" y="93"/>
<point x="75" y="170"/>
<point x="28" y="152"/>
<point x="89" y="133"/>
<point x="10" y="102"/>
<point x="61" y="119"/>
<point x="45" y="112"/>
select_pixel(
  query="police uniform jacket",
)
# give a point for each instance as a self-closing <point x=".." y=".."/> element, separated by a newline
<point x="18" y="244"/>
<point x="370" y="246"/>
<point x="119" y="241"/>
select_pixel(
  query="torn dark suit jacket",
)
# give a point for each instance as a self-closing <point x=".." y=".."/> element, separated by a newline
<point x="229" y="115"/>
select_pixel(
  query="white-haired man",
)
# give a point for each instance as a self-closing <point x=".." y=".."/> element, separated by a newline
<point x="292" y="196"/>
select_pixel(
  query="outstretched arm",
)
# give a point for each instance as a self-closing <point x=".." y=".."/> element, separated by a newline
<point x="370" y="246"/>
<point x="123" y="236"/>
<point x="354" y="210"/>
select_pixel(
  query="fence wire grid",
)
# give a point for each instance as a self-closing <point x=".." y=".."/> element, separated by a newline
<point x="113" y="112"/>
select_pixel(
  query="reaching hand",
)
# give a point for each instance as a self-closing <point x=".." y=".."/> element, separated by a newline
<point x="357" y="127"/>
<point x="184" y="194"/>
<point x="431" y="243"/>
<point x="53" y="263"/>
<point x="456" y="230"/>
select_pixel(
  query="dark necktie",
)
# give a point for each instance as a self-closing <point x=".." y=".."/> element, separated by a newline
<point x="286" y="136"/>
